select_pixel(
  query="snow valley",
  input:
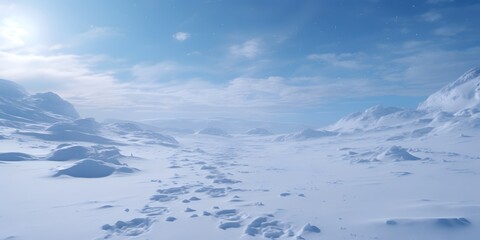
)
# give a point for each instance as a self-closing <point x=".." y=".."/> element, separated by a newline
<point x="384" y="173"/>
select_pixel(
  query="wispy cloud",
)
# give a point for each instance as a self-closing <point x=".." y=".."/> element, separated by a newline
<point x="343" y="60"/>
<point x="431" y="16"/>
<point x="154" y="72"/>
<point x="439" y="1"/>
<point x="181" y="36"/>
<point x="449" y="31"/>
<point x="249" y="49"/>
<point x="430" y="69"/>
<point x="95" y="32"/>
<point x="75" y="77"/>
<point x="71" y="75"/>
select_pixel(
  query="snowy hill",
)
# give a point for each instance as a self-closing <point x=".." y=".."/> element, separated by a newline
<point x="17" y="106"/>
<point x="462" y="94"/>
<point x="455" y="106"/>
<point x="214" y="132"/>
<point x="259" y="132"/>
<point x="367" y="119"/>
<point x="306" y="134"/>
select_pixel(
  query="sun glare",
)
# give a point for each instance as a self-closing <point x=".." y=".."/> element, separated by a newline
<point x="14" y="33"/>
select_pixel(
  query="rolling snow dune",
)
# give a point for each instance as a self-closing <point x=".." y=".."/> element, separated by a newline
<point x="214" y="132"/>
<point x="91" y="168"/>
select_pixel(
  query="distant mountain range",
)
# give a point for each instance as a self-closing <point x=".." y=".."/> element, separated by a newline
<point x="456" y="105"/>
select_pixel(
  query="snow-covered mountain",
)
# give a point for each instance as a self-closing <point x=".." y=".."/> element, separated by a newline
<point x="460" y="95"/>
<point x="46" y="116"/>
<point x="455" y="106"/>
<point x="17" y="106"/>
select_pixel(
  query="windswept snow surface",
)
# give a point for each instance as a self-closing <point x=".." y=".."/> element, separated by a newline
<point x="385" y="173"/>
<point x="250" y="188"/>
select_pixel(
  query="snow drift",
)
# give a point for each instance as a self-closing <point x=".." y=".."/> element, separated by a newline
<point x="214" y="132"/>
<point x="66" y="152"/>
<point x="91" y="168"/>
<point x="306" y="135"/>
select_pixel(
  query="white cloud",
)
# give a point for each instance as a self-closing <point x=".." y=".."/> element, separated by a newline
<point x="249" y="49"/>
<point x="431" y="16"/>
<point x="181" y="36"/>
<point x="11" y="34"/>
<point x="154" y="72"/>
<point x="414" y="44"/>
<point x="95" y="32"/>
<point x="429" y="69"/>
<point x="102" y="93"/>
<point x="449" y="31"/>
<point x="439" y="1"/>
<point x="343" y="60"/>
<point x="70" y="75"/>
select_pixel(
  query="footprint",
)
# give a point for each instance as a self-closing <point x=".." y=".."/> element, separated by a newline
<point x="213" y="191"/>
<point x="154" y="211"/>
<point x="190" y="210"/>
<point x="225" y="181"/>
<point x="133" y="227"/>
<point x="163" y="198"/>
<point x="285" y="194"/>
<point x="227" y="225"/>
<point x="230" y="218"/>
<point x="268" y="228"/>
<point x="174" y="190"/>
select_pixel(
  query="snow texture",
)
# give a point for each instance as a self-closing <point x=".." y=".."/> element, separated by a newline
<point x="383" y="173"/>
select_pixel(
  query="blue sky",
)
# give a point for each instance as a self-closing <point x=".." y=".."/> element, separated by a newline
<point x="292" y="60"/>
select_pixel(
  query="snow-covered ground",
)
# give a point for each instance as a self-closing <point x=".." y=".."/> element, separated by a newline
<point x="385" y="173"/>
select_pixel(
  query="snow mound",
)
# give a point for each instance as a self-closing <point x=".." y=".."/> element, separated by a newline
<point x="66" y="152"/>
<point x="306" y="135"/>
<point x="81" y="130"/>
<point x="16" y="156"/>
<point x="214" y="132"/>
<point x="391" y="154"/>
<point x="259" y="131"/>
<point x="309" y="228"/>
<point x="459" y="95"/>
<point x="397" y="154"/>
<point x="90" y="168"/>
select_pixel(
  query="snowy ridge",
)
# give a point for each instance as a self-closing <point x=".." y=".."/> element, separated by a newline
<point x="368" y="119"/>
<point x="462" y="94"/>
<point x="17" y="106"/>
